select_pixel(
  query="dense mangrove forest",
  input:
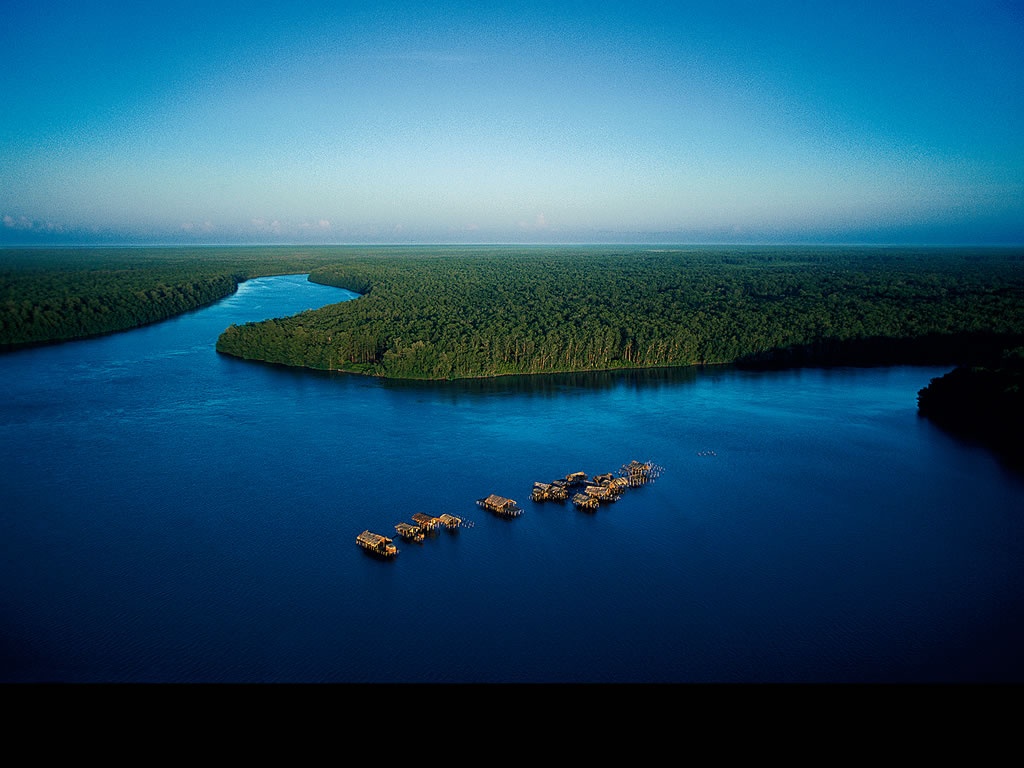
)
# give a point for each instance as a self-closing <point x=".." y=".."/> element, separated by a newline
<point x="478" y="312"/>
<point x="437" y="312"/>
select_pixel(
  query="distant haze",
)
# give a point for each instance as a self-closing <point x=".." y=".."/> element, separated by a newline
<point x="476" y="122"/>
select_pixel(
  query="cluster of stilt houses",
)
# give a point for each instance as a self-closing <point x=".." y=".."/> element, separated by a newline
<point x="585" y="492"/>
<point x="588" y="493"/>
<point x="422" y="525"/>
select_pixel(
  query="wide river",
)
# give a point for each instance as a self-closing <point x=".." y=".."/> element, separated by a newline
<point x="168" y="514"/>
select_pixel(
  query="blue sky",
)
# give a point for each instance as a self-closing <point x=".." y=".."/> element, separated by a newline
<point x="352" y="122"/>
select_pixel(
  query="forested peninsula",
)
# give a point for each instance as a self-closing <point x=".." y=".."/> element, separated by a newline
<point x="448" y="313"/>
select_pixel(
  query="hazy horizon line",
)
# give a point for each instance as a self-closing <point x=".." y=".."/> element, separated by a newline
<point x="510" y="243"/>
<point x="635" y="246"/>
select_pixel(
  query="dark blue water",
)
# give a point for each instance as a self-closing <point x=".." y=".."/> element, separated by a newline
<point x="169" y="514"/>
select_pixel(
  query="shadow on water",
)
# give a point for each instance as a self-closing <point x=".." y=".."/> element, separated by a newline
<point x="1008" y="452"/>
<point x="1010" y="456"/>
<point x="553" y="384"/>
<point x="540" y="384"/>
<point x="586" y="382"/>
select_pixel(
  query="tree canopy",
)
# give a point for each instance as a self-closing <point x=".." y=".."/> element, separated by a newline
<point x="458" y="313"/>
<point x="436" y="312"/>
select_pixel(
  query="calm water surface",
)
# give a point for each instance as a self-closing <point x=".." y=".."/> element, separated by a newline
<point x="171" y="515"/>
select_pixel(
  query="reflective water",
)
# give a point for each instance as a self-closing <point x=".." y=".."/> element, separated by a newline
<point x="169" y="514"/>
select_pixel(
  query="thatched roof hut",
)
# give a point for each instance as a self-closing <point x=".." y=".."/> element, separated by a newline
<point x="500" y="504"/>
<point x="377" y="544"/>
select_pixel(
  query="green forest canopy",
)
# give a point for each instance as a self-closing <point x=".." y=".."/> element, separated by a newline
<point x="472" y="311"/>
<point x="455" y="313"/>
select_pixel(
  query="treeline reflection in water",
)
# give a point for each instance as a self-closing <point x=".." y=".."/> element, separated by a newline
<point x="557" y="384"/>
